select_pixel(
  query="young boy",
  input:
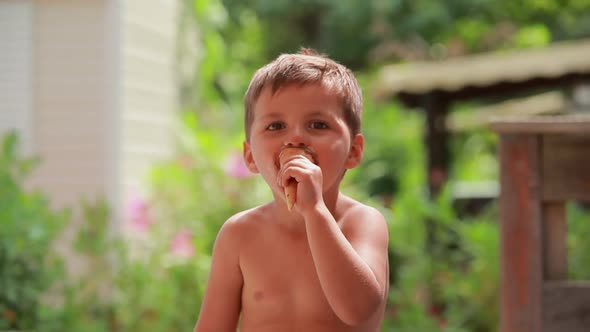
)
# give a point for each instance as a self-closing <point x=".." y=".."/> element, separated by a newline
<point x="321" y="266"/>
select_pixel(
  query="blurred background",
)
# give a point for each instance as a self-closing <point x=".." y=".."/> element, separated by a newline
<point x="122" y="126"/>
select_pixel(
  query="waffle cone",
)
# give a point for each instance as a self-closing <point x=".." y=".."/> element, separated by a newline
<point x="291" y="187"/>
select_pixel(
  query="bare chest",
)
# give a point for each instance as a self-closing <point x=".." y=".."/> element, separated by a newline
<point x="280" y="281"/>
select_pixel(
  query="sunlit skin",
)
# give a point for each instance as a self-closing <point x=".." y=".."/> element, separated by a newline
<point x="322" y="266"/>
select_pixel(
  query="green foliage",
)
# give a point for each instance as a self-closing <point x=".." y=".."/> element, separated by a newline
<point x="135" y="282"/>
<point x="229" y="51"/>
<point x="123" y="282"/>
<point x="157" y="289"/>
<point x="450" y="283"/>
<point x="578" y="246"/>
<point x="197" y="189"/>
<point x="471" y="290"/>
<point x="86" y="295"/>
<point x="28" y="227"/>
<point x="389" y="148"/>
<point x="385" y="30"/>
<point x="474" y="156"/>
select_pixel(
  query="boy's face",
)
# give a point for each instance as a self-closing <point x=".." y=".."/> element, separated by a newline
<point x="301" y="115"/>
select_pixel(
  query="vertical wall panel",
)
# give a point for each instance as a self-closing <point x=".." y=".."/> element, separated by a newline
<point x="16" y="43"/>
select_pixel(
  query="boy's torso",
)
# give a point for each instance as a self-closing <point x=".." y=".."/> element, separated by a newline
<point x="281" y="290"/>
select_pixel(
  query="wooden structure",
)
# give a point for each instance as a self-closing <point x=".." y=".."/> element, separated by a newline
<point x="544" y="162"/>
<point x="435" y="86"/>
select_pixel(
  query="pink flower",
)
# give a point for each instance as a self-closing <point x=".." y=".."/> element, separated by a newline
<point x="182" y="244"/>
<point x="235" y="166"/>
<point x="137" y="214"/>
<point x="185" y="161"/>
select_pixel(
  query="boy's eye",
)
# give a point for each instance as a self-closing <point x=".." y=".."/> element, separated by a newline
<point x="318" y="125"/>
<point x="275" y="126"/>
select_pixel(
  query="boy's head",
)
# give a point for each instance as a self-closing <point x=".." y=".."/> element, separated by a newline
<point x="307" y="68"/>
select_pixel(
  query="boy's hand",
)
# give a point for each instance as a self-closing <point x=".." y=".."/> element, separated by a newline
<point x="300" y="176"/>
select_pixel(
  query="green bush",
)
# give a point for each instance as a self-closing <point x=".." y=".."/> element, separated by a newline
<point x="578" y="246"/>
<point x="28" y="227"/>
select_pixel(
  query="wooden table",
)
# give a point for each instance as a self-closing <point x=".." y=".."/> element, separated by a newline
<point x="544" y="162"/>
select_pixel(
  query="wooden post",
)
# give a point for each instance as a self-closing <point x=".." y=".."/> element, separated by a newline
<point x="520" y="230"/>
<point x="436" y="106"/>
<point x="437" y="153"/>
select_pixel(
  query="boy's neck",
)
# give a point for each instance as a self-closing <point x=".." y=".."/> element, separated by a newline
<point x="293" y="220"/>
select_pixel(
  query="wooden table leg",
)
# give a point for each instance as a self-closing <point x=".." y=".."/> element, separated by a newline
<point x="520" y="215"/>
<point x="554" y="241"/>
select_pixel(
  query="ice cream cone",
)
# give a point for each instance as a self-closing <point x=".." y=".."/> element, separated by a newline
<point x="291" y="187"/>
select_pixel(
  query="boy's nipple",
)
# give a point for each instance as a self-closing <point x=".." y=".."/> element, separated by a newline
<point x="258" y="296"/>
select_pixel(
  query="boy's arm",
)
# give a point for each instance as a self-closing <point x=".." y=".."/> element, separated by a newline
<point x="351" y="262"/>
<point x="221" y="304"/>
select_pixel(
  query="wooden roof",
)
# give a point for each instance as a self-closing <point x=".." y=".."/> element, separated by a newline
<point x="548" y="103"/>
<point x="477" y="73"/>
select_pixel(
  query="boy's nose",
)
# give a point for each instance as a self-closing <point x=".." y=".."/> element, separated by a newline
<point x="296" y="137"/>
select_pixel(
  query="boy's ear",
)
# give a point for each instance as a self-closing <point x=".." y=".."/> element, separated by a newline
<point x="248" y="159"/>
<point x="356" y="151"/>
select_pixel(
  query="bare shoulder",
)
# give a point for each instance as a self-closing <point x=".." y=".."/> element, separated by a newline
<point x="237" y="227"/>
<point x="241" y="222"/>
<point x="359" y="217"/>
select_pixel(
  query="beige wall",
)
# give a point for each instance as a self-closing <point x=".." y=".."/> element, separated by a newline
<point x="16" y="41"/>
<point x="72" y="58"/>
<point x="149" y="88"/>
<point x="92" y="86"/>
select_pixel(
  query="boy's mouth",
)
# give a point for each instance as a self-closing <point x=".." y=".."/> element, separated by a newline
<point x="290" y="190"/>
<point x="290" y="151"/>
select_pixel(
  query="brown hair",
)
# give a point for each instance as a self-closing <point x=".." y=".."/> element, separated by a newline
<point x="307" y="67"/>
